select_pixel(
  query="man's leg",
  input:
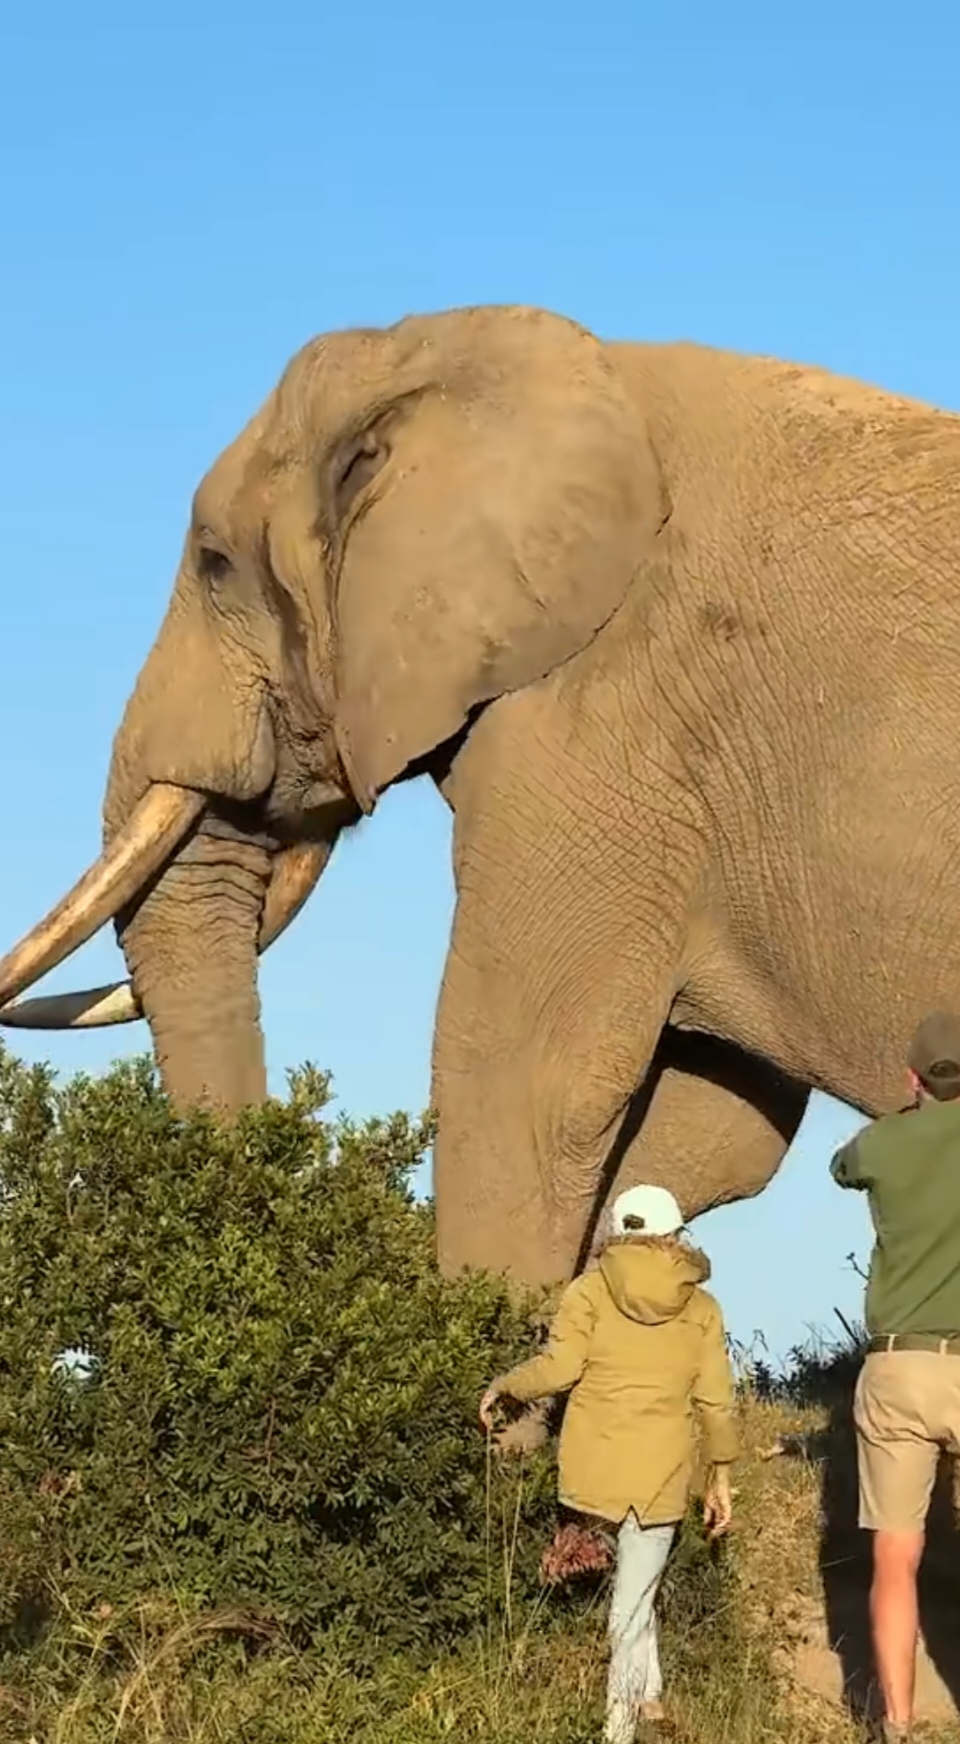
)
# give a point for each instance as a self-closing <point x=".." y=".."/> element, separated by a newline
<point x="895" y="1621"/>
<point x="642" y="1554"/>
<point x="897" y="1413"/>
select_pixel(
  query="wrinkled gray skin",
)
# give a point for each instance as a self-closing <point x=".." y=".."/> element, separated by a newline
<point x="677" y="633"/>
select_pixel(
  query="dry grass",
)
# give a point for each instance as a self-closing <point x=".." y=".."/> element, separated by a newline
<point x="733" y="1647"/>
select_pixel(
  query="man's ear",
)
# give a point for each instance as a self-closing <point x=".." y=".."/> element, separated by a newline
<point x="913" y="1083"/>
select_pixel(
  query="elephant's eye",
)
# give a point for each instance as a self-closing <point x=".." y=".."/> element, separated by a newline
<point x="214" y="565"/>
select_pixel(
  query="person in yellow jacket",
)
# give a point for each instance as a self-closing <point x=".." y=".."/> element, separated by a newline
<point x="640" y="1346"/>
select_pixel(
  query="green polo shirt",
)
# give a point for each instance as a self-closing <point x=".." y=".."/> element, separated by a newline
<point x="909" y="1166"/>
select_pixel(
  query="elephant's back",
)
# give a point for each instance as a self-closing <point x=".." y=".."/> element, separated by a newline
<point x="792" y="446"/>
<point x="689" y="368"/>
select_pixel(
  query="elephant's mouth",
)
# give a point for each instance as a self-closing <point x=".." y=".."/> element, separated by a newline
<point x="139" y="853"/>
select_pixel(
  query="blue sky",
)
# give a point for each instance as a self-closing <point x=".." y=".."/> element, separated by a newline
<point x="191" y="191"/>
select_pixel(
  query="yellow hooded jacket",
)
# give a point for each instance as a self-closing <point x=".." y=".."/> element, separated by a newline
<point x="642" y="1346"/>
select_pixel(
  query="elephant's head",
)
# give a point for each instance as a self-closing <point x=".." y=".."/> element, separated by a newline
<point x="419" y="520"/>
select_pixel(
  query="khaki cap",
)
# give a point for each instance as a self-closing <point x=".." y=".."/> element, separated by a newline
<point x="935" y="1049"/>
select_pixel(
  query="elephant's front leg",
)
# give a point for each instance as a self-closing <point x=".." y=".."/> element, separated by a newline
<point x="575" y="876"/>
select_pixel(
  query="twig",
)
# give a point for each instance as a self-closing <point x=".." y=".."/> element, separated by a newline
<point x="848" y="1329"/>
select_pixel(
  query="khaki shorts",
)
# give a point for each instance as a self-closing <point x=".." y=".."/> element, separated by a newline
<point x="907" y="1412"/>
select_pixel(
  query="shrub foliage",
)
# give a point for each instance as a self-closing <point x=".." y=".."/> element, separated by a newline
<point x="276" y="1401"/>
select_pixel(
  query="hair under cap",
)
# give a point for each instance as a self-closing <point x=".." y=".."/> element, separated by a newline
<point x="646" y="1210"/>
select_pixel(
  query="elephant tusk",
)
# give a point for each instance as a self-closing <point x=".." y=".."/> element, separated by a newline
<point x="294" y="877"/>
<point x="138" y="850"/>
<point x="295" y="873"/>
<point x="95" y="1008"/>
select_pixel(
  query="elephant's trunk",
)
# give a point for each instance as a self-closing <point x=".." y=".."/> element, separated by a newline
<point x="191" y="948"/>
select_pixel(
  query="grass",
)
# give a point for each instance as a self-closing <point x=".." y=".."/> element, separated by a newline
<point x="740" y="1633"/>
<point x="168" y="1689"/>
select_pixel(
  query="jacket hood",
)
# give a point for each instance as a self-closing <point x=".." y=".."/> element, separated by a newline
<point x="650" y="1279"/>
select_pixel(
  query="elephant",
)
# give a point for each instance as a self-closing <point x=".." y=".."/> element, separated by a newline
<point x="675" y="632"/>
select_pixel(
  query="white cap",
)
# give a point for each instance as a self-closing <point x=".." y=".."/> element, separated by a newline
<point x="656" y="1212"/>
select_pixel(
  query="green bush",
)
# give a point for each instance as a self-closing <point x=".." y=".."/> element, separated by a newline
<point x="279" y="1405"/>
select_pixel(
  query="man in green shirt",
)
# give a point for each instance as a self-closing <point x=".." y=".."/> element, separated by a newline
<point x="907" y="1407"/>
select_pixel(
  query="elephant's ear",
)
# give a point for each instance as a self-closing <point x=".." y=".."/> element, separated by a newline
<point x="487" y="527"/>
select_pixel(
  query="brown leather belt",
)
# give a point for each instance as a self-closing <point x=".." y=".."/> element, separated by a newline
<point x="915" y="1341"/>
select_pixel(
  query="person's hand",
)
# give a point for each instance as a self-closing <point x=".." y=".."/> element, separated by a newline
<point x="718" y="1502"/>
<point x="487" y="1404"/>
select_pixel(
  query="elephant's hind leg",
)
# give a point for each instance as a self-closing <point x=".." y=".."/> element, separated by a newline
<point x="710" y="1122"/>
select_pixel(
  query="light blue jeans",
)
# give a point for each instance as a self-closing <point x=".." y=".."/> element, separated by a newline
<point x="642" y="1553"/>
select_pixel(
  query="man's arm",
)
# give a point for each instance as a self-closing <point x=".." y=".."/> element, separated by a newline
<point x="847" y="1165"/>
